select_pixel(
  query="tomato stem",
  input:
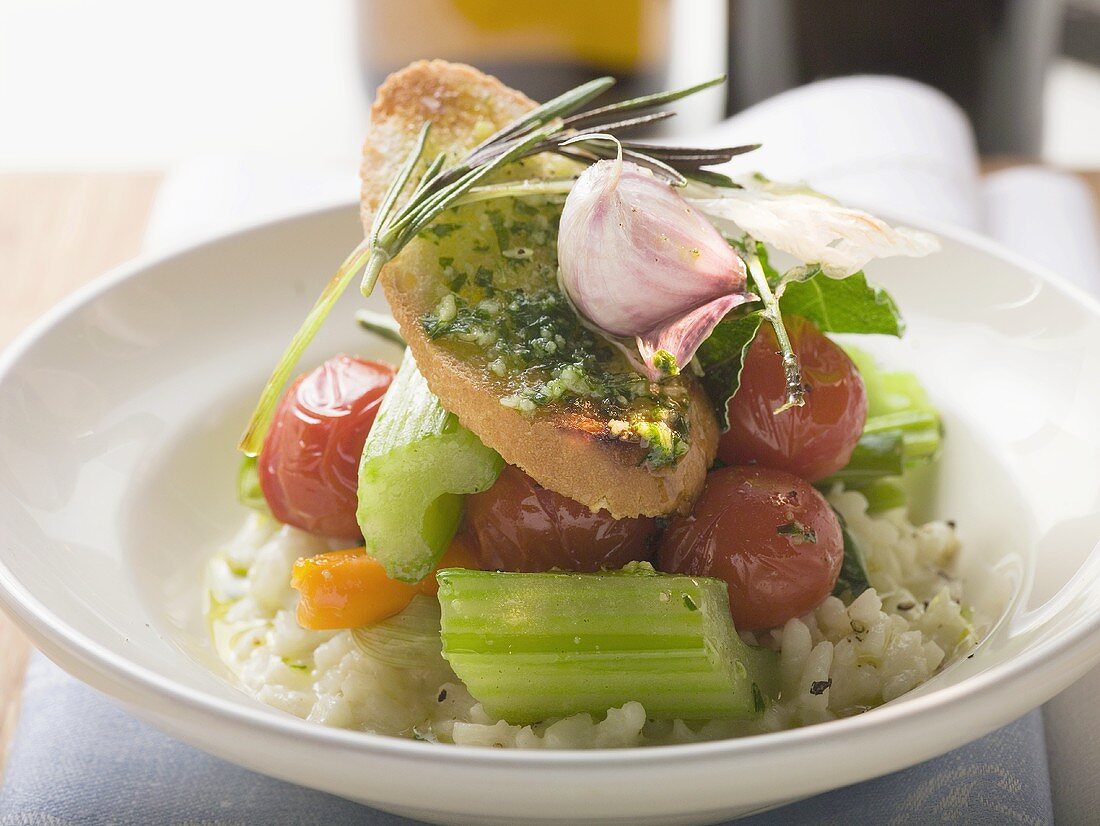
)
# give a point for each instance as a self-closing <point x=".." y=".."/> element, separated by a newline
<point x="796" y="389"/>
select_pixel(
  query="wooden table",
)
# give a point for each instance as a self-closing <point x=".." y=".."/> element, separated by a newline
<point x="57" y="231"/>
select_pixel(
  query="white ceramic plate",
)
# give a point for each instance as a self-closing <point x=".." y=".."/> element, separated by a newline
<point x="118" y="416"/>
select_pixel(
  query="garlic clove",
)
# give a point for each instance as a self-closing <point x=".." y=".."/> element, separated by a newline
<point x="633" y="253"/>
<point x="669" y="346"/>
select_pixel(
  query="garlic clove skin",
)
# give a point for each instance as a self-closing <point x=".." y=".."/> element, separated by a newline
<point x="634" y="255"/>
<point x="812" y="227"/>
<point x="668" y="347"/>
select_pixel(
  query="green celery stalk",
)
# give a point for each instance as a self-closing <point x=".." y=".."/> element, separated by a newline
<point x="883" y="495"/>
<point x="898" y="391"/>
<point x="535" y="646"/>
<point x="920" y="431"/>
<point x="417" y="464"/>
<point x="889" y="444"/>
<point x="902" y="429"/>
<point x="249" y="492"/>
<point x="875" y="455"/>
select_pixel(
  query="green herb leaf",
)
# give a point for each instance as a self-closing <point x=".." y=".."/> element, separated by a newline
<point x="722" y="357"/>
<point x="803" y="533"/>
<point x="842" y="305"/>
<point x="846" y="305"/>
<point x="853" y="579"/>
<point x="381" y="324"/>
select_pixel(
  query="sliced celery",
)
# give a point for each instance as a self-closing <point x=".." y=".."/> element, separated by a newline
<point x="409" y="639"/>
<point x="534" y="646"/>
<point x="890" y="443"/>
<point x="883" y="495"/>
<point x="920" y="431"/>
<point x="889" y="391"/>
<point x="875" y="455"/>
<point x="417" y="463"/>
<point x="249" y="492"/>
<point x="902" y="429"/>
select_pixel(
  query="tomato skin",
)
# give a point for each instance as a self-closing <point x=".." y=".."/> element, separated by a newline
<point x="812" y="441"/>
<point x="309" y="465"/>
<point x="750" y="527"/>
<point x="518" y="525"/>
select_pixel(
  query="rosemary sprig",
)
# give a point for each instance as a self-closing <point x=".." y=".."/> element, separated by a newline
<point x="557" y="126"/>
<point x="381" y="325"/>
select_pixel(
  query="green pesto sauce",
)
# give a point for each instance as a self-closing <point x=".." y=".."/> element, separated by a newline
<point x="500" y="307"/>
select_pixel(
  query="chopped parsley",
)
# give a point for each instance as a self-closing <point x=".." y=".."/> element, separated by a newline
<point x="758" y="701"/>
<point x="442" y="230"/>
<point x="797" y="531"/>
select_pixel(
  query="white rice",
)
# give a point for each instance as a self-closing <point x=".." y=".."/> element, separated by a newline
<point x="834" y="662"/>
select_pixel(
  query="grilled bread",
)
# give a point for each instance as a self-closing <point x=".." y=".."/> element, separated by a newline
<point x="477" y="300"/>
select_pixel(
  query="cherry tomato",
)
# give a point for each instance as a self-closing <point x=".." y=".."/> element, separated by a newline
<point x="518" y="525"/>
<point x="309" y="465"/>
<point x="812" y="441"/>
<point x="769" y="534"/>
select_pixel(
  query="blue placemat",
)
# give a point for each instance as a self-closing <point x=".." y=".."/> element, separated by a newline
<point x="77" y="759"/>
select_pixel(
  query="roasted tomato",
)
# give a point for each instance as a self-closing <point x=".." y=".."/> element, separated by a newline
<point x="309" y="464"/>
<point x="769" y="534"/>
<point x="812" y="441"/>
<point x="518" y="525"/>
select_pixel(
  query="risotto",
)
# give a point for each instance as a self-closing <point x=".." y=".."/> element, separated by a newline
<point x="834" y="661"/>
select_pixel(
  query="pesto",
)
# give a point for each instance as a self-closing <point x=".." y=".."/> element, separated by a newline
<point x="501" y="307"/>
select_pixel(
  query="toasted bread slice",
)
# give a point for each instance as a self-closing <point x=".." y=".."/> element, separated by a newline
<point x="572" y="449"/>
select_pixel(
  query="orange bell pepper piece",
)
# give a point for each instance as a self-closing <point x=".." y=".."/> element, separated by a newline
<point x="347" y="589"/>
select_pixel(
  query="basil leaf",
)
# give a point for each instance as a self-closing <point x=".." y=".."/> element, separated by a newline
<point x="842" y="305"/>
<point x="722" y="356"/>
<point x="853" y="571"/>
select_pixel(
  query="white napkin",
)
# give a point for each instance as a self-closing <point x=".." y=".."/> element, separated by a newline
<point x="885" y="143"/>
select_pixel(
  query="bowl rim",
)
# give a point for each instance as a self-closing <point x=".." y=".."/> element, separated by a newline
<point x="974" y="691"/>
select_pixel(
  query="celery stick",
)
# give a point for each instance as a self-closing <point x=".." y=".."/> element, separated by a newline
<point x="883" y="495"/>
<point x="889" y="391"/>
<point x="920" y="430"/>
<point x="417" y="463"/>
<point x="249" y="492"/>
<point x="534" y="646"/>
<point x="902" y="429"/>
<point x="875" y="455"/>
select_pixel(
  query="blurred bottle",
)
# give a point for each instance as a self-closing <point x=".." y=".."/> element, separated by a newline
<point x="991" y="56"/>
<point x="543" y="48"/>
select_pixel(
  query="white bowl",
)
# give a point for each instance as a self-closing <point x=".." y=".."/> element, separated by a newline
<point x="119" y="412"/>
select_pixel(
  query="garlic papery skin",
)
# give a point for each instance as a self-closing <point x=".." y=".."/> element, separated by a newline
<point x="667" y="348"/>
<point x="810" y="226"/>
<point x="637" y="260"/>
